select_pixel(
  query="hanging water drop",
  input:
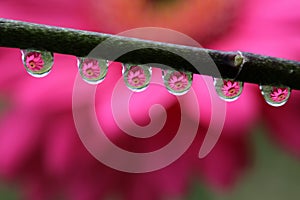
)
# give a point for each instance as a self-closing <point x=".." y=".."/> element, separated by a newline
<point x="37" y="63"/>
<point x="275" y="96"/>
<point x="228" y="90"/>
<point x="177" y="83"/>
<point x="92" y="71"/>
<point x="136" y="77"/>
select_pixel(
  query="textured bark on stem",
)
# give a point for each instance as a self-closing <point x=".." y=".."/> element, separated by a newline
<point x="257" y="68"/>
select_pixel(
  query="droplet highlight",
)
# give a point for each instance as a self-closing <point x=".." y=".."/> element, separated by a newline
<point x="92" y="71"/>
<point x="228" y="90"/>
<point x="275" y="96"/>
<point x="177" y="83"/>
<point x="136" y="77"/>
<point x="37" y="63"/>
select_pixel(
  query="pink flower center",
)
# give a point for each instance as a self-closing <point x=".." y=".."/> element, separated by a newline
<point x="178" y="84"/>
<point x="232" y="91"/>
<point x="32" y="64"/>
<point x="135" y="80"/>
<point x="281" y="97"/>
<point x="89" y="72"/>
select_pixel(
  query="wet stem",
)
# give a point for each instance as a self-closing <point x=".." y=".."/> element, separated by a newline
<point x="241" y="66"/>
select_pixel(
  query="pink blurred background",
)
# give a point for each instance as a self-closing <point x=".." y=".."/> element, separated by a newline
<point x="42" y="157"/>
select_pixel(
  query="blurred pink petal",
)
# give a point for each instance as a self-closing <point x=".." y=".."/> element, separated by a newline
<point x="283" y="122"/>
<point x="273" y="32"/>
<point x="39" y="145"/>
<point x="226" y="164"/>
<point x="18" y="140"/>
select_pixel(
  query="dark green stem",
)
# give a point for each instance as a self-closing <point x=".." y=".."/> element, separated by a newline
<point x="257" y="68"/>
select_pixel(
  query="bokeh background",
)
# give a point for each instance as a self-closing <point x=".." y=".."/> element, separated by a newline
<point x="257" y="156"/>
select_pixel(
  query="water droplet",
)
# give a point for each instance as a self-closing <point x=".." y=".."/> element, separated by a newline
<point x="92" y="71"/>
<point x="136" y="77"/>
<point x="37" y="63"/>
<point x="275" y="96"/>
<point x="228" y="90"/>
<point x="177" y="83"/>
<point x="239" y="59"/>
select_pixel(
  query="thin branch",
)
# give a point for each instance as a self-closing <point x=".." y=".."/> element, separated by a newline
<point x="257" y="68"/>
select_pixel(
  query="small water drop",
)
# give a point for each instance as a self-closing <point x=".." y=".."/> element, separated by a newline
<point x="37" y="63"/>
<point x="136" y="77"/>
<point x="275" y="96"/>
<point x="177" y="83"/>
<point x="92" y="71"/>
<point x="239" y="59"/>
<point x="228" y="90"/>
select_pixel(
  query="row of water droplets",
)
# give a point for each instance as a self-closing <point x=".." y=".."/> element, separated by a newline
<point x="138" y="77"/>
<point x="230" y="90"/>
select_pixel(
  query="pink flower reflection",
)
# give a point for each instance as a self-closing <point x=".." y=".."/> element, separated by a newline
<point x="178" y="81"/>
<point x="34" y="61"/>
<point x="90" y="68"/>
<point x="230" y="88"/>
<point x="279" y="94"/>
<point x="136" y="76"/>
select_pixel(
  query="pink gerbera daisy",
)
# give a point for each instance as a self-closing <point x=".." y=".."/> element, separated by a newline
<point x="136" y="76"/>
<point x="34" y="61"/>
<point x="230" y="88"/>
<point x="178" y="81"/>
<point x="279" y="94"/>
<point x="90" y="68"/>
